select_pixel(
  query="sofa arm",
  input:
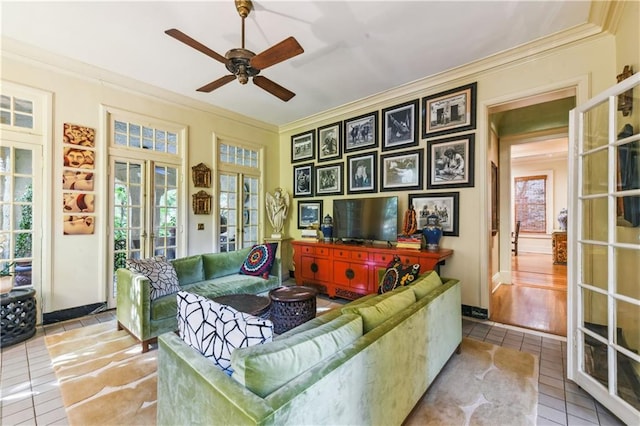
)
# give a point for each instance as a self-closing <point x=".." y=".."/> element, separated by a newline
<point x="133" y="303"/>
<point x="193" y="391"/>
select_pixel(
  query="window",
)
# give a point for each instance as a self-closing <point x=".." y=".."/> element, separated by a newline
<point x="16" y="112"/>
<point x="531" y="203"/>
<point x="137" y="136"/>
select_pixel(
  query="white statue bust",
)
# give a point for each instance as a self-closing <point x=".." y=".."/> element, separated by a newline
<point x="277" y="210"/>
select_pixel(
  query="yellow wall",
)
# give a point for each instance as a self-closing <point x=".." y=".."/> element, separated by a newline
<point x="588" y="65"/>
<point x="77" y="262"/>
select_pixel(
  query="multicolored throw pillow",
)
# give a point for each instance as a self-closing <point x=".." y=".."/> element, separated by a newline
<point x="398" y="275"/>
<point x="217" y="330"/>
<point x="161" y="273"/>
<point x="260" y="260"/>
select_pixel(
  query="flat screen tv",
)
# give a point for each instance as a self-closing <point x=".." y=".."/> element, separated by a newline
<point x="366" y="219"/>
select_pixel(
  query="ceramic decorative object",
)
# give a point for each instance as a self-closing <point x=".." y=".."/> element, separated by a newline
<point x="562" y="219"/>
<point x="327" y="228"/>
<point x="432" y="232"/>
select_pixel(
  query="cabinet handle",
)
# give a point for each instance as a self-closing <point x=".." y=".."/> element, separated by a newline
<point x="314" y="267"/>
<point x="349" y="273"/>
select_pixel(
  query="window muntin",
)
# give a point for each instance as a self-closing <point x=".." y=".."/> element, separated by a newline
<point x="144" y="137"/>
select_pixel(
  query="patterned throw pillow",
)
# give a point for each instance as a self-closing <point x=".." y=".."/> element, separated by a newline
<point x="217" y="330"/>
<point x="260" y="260"/>
<point x="161" y="273"/>
<point x="398" y="275"/>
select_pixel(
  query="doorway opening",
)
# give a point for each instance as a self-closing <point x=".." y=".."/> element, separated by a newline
<point x="529" y="288"/>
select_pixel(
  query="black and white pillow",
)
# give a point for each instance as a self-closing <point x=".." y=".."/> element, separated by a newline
<point x="217" y="330"/>
<point x="161" y="273"/>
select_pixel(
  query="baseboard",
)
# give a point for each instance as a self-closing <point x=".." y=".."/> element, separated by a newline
<point x="71" y="313"/>
<point x="475" y="312"/>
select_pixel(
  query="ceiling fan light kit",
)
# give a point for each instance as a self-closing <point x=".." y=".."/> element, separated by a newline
<point x="243" y="63"/>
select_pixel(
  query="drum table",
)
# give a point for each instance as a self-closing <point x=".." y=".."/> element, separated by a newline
<point x="292" y="306"/>
<point x="17" y="316"/>
<point x="248" y="303"/>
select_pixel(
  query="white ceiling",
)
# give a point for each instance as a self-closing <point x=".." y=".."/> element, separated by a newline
<point x="353" y="49"/>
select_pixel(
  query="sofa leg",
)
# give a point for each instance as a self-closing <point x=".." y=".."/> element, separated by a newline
<point x="459" y="349"/>
<point x="120" y="327"/>
<point x="145" y="346"/>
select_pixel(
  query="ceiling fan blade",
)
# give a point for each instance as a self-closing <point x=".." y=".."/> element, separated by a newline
<point x="180" y="36"/>
<point x="274" y="88"/>
<point x="217" y="83"/>
<point x="287" y="48"/>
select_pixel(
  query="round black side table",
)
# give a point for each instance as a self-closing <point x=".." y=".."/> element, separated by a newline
<point x="17" y="316"/>
<point x="292" y="306"/>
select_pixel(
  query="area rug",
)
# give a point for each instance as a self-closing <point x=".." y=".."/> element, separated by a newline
<point x="106" y="380"/>
<point x="483" y="385"/>
<point x="104" y="377"/>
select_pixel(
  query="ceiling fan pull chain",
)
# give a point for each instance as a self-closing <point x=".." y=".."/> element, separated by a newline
<point x="243" y="32"/>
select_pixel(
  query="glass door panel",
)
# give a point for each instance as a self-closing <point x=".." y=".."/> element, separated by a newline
<point x="228" y="196"/>
<point x="165" y="185"/>
<point x="250" y="212"/>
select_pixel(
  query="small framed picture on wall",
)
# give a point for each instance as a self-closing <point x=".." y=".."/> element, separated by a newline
<point x="330" y="142"/>
<point x="401" y="171"/>
<point x="309" y="213"/>
<point x="303" y="180"/>
<point x="450" y="111"/>
<point x="400" y="126"/>
<point x="450" y="162"/>
<point x="329" y="179"/>
<point x="361" y="132"/>
<point x="303" y="146"/>
<point x="361" y="173"/>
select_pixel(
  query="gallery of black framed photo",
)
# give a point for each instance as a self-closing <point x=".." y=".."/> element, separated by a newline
<point x="303" y="180"/>
<point x="361" y="173"/>
<point x="309" y="213"/>
<point x="330" y="142"/>
<point x="450" y="162"/>
<point x="445" y="205"/>
<point x="329" y="179"/>
<point x="403" y="171"/>
<point x="450" y="111"/>
<point x="400" y="126"/>
<point x="303" y="146"/>
<point x="361" y="132"/>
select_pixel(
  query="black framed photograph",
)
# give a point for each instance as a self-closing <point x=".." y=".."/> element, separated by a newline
<point x="445" y="205"/>
<point x="330" y="142"/>
<point x="309" y="213"/>
<point x="303" y="146"/>
<point x="361" y="132"/>
<point x="402" y="171"/>
<point x="361" y="171"/>
<point x="450" y="111"/>
<point x="400" y="126"/>
<point x="450" y="162"/>
<point x="303" y="180"/>
<point x="329" y="179"/>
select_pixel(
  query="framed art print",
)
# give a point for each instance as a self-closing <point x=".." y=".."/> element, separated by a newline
<point x="309" y="213"/>
<point x="329" y="179"/>
<point x="445" y="205"/>
<point x="400" y="126"/>
<point x="361" y="171"/>
<point x="303" y="146"/>
<point x="449" y="112"/>
<point x="401" y="171"/>
<point x="330" y="142"/>
<point x="303" y="180"/>
<point x="361" y="132"/>
<point x="450" y="162"/>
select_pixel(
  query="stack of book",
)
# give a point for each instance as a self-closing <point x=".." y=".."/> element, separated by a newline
<point x="310" y="235"/>
<point x="413" y="241"/>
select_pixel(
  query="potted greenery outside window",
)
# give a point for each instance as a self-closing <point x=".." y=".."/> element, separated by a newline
<point x="6" y="278"/>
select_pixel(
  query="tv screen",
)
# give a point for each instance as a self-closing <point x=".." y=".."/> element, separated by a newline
<point x="363" y="219"/>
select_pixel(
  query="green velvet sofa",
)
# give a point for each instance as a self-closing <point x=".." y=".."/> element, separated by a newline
<point x="367" y="363"/>
<point x="209" y="275"/>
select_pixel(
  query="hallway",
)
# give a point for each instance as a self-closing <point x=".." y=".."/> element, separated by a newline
<point x="538" y="297"/>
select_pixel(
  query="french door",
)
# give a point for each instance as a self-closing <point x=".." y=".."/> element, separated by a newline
<point x="238" y="210"/>
<point x="144" y="211"/>
<point x="604" y="250"/>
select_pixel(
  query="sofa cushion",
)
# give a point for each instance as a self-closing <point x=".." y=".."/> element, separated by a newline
<point x="161" y="273"/>
<point x="425" y="284"/>
<point x="374" y="314"/>
<point x="218" y="265"/>
<point x="259" y="261"/>
<point x="265" y="368"/>
<point x="189" y="269"/>
<point x="216" y="330"/>
<point x="398" y="275"/>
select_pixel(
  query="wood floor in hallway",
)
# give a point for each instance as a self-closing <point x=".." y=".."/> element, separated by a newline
<point x="538" y="297"/>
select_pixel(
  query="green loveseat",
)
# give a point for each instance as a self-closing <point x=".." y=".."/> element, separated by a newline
<point x="209" y="275"/>
<point x="377" y="357"/>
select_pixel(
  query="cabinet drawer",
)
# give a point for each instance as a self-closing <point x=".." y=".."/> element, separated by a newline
<point x="321" y="251"/>
<point x="409" y="260"/>
<point x="341" y="254"/>
<point x="382" y="258"/>
<point x="359" y="255"/>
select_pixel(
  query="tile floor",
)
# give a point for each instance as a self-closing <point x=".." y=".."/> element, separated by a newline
<point x="29" y="393"/>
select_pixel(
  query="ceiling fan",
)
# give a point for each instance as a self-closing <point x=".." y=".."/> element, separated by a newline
<point x="243" y="63"/>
